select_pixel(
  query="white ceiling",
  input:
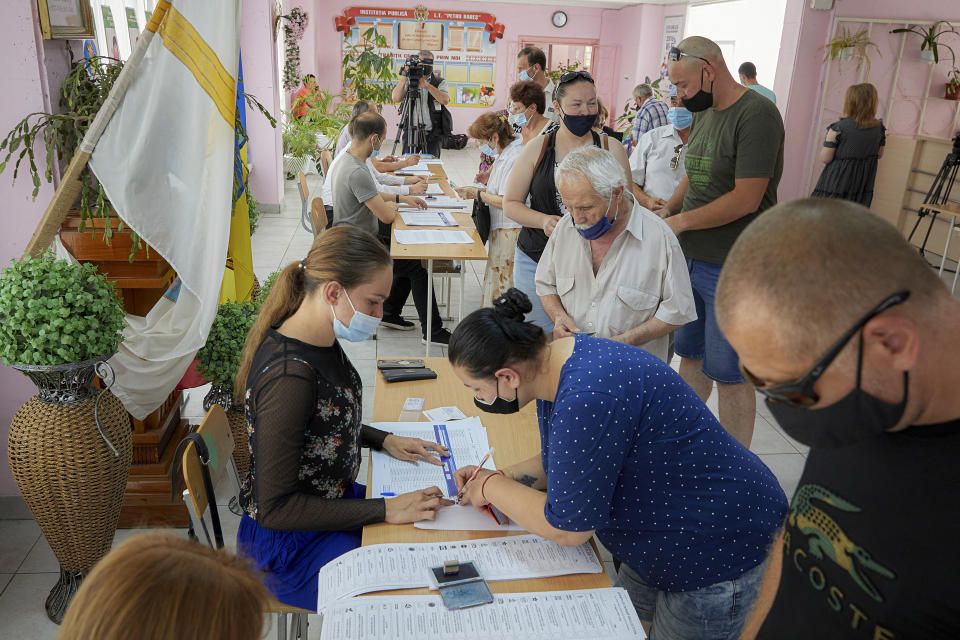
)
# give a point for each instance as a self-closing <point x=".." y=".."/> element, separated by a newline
<point x="596" y="4"/>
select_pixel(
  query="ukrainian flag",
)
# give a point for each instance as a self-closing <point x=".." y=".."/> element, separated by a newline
<point x="238" y="275"/>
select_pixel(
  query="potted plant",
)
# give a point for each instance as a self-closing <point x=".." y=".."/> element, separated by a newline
<point x="217" y="361"/>
<point x="953" y="85"/>
<point x="299" y="144"/>
<point x="69" y="445"/>
<point x="326" y="117"/>
<point x="930" y="36"/>
<point x="845" y="45"/>
<point x="368" y="69"/>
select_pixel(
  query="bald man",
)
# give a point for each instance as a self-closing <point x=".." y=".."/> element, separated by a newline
<point x="733" y="164"/>
<point x="853" y="340"/>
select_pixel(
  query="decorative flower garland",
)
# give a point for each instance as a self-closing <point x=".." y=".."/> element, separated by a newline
<point x="292" y="32"/>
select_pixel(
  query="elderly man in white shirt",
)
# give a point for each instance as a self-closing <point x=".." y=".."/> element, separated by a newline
<point x="612" y="268"/>
<point x="657" y="160"/>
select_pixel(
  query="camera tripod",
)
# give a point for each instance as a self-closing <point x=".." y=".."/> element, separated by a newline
<point x="939" y="194"/>
<point x="411" y="128"/>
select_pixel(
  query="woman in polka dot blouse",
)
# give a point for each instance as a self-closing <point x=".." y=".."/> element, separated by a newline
<point x="631" y="454"/>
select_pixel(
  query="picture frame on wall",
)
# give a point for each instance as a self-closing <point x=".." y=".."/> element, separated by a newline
<point x="65" y="19"/>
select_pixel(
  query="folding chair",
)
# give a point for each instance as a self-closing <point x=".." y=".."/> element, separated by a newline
<point x="202" y="471"/>
<point x="318" y="216"/>
<point x="304" y="197"/>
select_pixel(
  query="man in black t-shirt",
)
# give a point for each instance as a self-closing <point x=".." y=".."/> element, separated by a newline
<point x="857" y="357"/>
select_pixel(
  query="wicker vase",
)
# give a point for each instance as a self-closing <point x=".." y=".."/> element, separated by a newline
<point x="70" y="450"/>
<point x="238" y="426"/>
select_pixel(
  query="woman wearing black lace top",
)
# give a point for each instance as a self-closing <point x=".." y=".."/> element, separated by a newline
<point x="302" y="399"/>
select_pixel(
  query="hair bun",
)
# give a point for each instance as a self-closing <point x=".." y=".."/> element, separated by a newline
<point x="512" y="305"/>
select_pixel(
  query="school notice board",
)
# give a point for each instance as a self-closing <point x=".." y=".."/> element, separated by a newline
<point x="464" y="45"/>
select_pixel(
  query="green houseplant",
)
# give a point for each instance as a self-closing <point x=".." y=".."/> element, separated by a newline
<point x="368" y="70"/>
<point x="326" y="117"/>
<point x="69" y="447"/>
<point x="217" y="361"/>
<point x="296" y="24"/>
<point x="953" y="85"/>
<point x="930" y="39"/>
<point x="299" y="143"/>
<point x="847" y="44"/>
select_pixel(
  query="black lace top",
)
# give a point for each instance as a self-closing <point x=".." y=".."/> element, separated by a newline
<point x="303" y="406"/>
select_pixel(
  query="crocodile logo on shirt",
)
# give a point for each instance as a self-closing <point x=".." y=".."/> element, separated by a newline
<point x="825" y="538"/>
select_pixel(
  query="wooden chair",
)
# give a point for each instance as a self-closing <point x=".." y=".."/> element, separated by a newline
<point x="318" y="216"/>
<point x="304" y="199"/>
<point x="215" y="431"/>
<point x="326" y="158"/>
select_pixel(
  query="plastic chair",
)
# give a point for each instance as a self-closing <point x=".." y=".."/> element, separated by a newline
<point x="215" y="431"/>
<point x="318" y="216"/>
<point x="304" y="198"/>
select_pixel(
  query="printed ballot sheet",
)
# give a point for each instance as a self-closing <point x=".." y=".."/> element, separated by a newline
<point x="407" y="565"/>
<point x="467" y="440"/>
<point x="431" y="218"/>
<point x="431" y="236"/>
<point x="584" y="614"/>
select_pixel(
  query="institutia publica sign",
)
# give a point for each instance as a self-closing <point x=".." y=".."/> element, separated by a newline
<point x="422" y="15"/>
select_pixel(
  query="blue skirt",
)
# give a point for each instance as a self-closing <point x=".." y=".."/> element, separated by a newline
<point x="292" y="559"/>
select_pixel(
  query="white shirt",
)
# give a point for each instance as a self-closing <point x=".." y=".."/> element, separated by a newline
<point x="386" y="183"/>
<point x="343" y="140"/>
<point x="650" y="162"/>
<point x="548" y="111"/>
<point x="643" y="275"/>
<point x="497" y="182"/>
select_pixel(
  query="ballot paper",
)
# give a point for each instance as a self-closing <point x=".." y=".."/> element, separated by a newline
<point x="381" y="567"/>
<point x="463" y="517"/>
<point x="467" y="440"/>
<point x="442" y="414"/>
<point x="432" y="218"/>
<point x="584" y="614"/>
<point x="445" y="201"/>
<point x="431" y="236"/>
<point x="434" y="189"/>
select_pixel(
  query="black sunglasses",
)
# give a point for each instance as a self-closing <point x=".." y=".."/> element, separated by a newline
<point x="675" y="55"/>
<point x="800" y="393"/>
<point x="675" y="160"/>
<point x="570" y="76"/>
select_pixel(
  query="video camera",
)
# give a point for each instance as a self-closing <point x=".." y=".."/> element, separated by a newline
<point x="413" y="69"/>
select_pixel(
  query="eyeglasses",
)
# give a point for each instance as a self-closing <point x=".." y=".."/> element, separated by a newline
<point x="800" y="393"/>
<point x="675" y="55"/>
<point x="675" y="160"/>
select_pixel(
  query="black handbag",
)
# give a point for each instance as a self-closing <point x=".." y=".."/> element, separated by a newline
<point x="481" y="218"/>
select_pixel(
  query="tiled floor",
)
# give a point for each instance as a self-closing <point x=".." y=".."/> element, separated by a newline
<point x="28" y="568"/>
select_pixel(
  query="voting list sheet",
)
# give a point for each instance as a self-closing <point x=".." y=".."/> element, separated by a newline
<point x="584" y="614"/>
<point x="428" y="218"/>
<point x="381" y="567"/>
<point x="431" y="236"/>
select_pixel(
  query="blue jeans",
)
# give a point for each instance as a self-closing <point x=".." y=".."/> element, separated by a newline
<point x="702" y="339"/>
<point x="717" y="611"/>
<point x="524" y="274"/>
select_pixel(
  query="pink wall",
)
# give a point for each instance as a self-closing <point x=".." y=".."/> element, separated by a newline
<point x="29" y="63"/>
<point x="802" y="70"/>
<point x="631" y="34"/>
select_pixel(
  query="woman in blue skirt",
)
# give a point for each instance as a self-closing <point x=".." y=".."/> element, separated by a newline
<point x="302" y="399"/>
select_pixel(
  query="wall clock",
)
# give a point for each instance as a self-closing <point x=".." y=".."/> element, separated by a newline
<point x="559" y="19"/>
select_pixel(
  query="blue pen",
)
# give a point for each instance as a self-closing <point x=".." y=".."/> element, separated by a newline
<point x="388" y="494"/>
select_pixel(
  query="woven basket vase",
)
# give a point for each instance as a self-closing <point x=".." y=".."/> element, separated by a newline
<point x="71" y="480"/>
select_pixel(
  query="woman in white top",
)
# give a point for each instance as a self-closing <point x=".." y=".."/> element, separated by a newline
<point x="495" y="137"/>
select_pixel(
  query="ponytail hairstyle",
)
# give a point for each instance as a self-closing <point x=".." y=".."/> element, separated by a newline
<point x="343" y="254"/>
<point x="491" y="338"/>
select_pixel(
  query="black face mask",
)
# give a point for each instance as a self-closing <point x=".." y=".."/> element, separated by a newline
<point x="855" y="417"/>
<point x="702" y="100"/>
<point x="579" y="125"/>
<point x="499" y="405"/>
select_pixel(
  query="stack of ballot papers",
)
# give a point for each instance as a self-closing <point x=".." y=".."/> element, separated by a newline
<point x="430" y="218"/>
<point x="381" y="567"/>
<point x="583" y="614"/>
<point x="468" y="444"/>
<point x="431" y="236"/>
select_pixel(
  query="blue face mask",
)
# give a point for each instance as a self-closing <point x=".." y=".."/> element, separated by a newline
<point x="488" y="150"/>
<point x="680" y="117"/>
<point x="518" y="119"/>
<point x="361" y="327"/>
<point x="523" y="76"/>
<point x="376" y="151"/>
<point x="602" y="226"/>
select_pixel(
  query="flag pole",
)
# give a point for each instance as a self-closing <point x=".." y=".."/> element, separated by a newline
<point x="66" y="194"/>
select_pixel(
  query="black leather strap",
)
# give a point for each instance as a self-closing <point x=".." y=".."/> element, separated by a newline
<point x="204" y="455"/>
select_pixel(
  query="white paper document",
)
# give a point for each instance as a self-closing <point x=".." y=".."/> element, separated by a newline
<point x="380" y="567"/>
<point x="445" y="201"/>
<point x="434" y="189"/>
<point x="431" y="236"/>
<point x="584" y="614"/>
<point x="463" y="517"/>
<point x="442" y="414"/>
<point x="432" y="218"/>
<point x="467" y="440"/>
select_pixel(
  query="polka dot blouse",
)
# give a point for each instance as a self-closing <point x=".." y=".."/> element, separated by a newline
<point x="632" y="452"/>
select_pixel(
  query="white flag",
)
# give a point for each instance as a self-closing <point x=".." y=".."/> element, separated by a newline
<point x="166" y="163"/>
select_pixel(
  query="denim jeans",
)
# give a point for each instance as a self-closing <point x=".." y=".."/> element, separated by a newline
<point x="524" y="273"/>
<point x="715" y="612"/>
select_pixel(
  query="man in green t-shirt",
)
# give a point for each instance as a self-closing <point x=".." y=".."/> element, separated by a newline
<point x="734" y="161"/>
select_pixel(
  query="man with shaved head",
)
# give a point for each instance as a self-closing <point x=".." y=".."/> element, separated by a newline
<point x="854" y="342"/>
<point x="733" y="164"/>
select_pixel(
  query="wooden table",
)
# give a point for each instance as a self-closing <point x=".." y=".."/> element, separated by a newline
<point x="431" y="252"/>
<point x="515" y="437"/>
